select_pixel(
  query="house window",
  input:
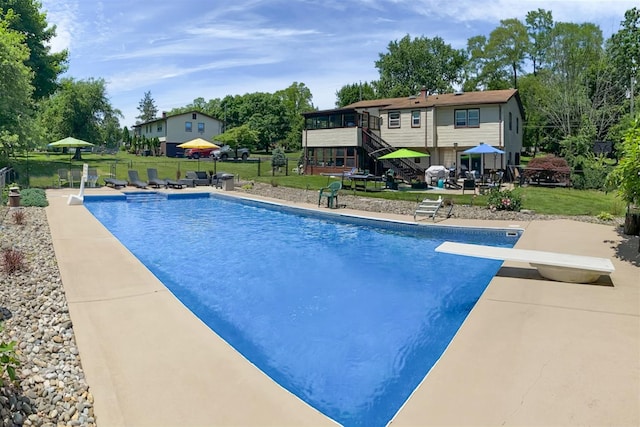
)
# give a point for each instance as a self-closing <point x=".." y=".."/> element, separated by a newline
<point x="510" y="120"/>
<point x="159" y="127"/>
<point x="394" y="119"/>
<point x="332" y="157"/>
<point x="201" y="127"/>
<point x="187" y="126"/>
<point x="517" y="124"/>
<point x="415" y="119"/>
<point x="194" y="116"/>
<point x="467" y="118"/>
<point x="474" y="118"/>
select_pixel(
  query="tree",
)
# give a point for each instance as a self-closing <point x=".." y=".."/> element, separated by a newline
<point x="539" y="26"/>
<point x="624" y="49"/>
<point x="626" y="175"/>
<point x="24" y="17"/>
<point x="15" y="91"/>
<point x="481" y="71"/>
<point x="411" y="65"/>
<point x="355" y="92"/>
<point x="507" y="46"/>
<point x="79" y="108"/>
<point x="278" y="159"/>
<point x="240" y="136"/>
<point x="297" y="99"/>
<point x="147" y="108"/>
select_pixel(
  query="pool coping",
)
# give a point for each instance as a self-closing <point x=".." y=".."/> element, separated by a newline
<point x="530" y="352"/>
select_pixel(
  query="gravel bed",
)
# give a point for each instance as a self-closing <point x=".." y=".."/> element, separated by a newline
<point x="406" y="207"/>
<point x="52" y="390"/>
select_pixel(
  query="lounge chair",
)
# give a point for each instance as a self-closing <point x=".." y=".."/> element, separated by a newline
<point x="331" y="193"/>
<point x="115" y="183"/>
<point x="199" y="177"/>
<point x="174" y="184"/>
<point x="135" y="181"/>
<point x="63" y="177"/>
<point x="154" y="181"/>
<point x="430" y="208"/>
<point x="551" y="265"/>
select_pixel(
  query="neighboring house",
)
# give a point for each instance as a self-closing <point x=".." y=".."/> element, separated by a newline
<point x="443" y="125"/>
<point x="175" y="129"/>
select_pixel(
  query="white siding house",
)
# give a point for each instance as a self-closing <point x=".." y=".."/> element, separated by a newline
<point x="443" y="125"/>
<point x="176" y="129"/>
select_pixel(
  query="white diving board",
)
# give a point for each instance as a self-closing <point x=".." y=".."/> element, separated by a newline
<point x="552" y="265"/>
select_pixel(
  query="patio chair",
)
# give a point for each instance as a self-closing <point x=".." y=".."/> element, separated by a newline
<point x="154" y="181"/>
<point x="76" y="176"/>
<point x="92" y="177"/>
<point x="63" y="177"/>
<point x="199" y="177"/>
<point x="134" y="179"/>
<point x="331" y="193"/>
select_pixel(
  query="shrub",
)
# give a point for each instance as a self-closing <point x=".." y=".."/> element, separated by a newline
<point x="593" y="175"/>
<point x="18" y="216"/>
<point x="33" y="197"/>
<point x="505" y="200"/>
<point x="548" y="169"/>
<point x="605" y="216"/>
<point x="8" y="360"/>
<point x="12" y="260"/>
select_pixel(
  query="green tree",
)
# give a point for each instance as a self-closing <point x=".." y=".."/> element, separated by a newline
<point x="539" y="26"/>
<point x="147" y="108"/>
<point x="24" y="16"/>
<point x="507" y="47"/>
<point x="278" y="159"/>
<point x="352" y="93"/>
<point x="626" y="175"/>
<point x="79" y="108"/>
<point x="624" y="49"/>
<point x="409" y="65"/>
<point x="297" y="99"/>
<point x="240" y="136"/>
<point x="15" y="91"/>
<point x="126" y="135"/>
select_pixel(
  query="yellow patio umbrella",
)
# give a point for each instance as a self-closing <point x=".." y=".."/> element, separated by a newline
<point x="198" y="143"/>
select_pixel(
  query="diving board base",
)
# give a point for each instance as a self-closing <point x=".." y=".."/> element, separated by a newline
<point x="551" y="265"/>
<point x="564" y="274"/>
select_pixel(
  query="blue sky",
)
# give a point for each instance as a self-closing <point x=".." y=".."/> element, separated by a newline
<point x="181" y="50"/>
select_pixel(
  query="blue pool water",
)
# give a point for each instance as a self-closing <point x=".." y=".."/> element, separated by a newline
<point x="348" y="314"/>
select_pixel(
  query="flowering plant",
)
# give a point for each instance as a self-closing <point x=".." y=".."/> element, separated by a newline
<point x="505" y="200"/>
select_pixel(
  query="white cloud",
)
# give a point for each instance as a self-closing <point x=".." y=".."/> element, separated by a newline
<point x="63" y="14"/>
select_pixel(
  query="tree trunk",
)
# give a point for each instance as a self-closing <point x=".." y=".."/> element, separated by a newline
<point x="632" y="224"/>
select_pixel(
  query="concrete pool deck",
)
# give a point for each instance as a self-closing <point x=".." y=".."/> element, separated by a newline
<point x="531" y="352"/>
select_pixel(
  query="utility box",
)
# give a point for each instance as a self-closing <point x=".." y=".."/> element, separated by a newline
<point x="227" y="182"/>
<point x="14" y="197"/>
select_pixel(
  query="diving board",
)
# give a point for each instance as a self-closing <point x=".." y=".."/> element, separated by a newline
<point x="551" y="265"/>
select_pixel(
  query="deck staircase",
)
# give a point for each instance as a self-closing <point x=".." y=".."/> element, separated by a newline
<point x="375" y="147"/>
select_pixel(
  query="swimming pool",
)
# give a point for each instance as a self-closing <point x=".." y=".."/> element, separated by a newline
<point x="348" y="314"/>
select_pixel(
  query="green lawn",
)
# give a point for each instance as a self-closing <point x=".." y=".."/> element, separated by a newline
<point x="40" y="170"/>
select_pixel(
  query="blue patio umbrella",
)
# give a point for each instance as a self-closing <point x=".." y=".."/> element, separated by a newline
<point x="482" y="149"/>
